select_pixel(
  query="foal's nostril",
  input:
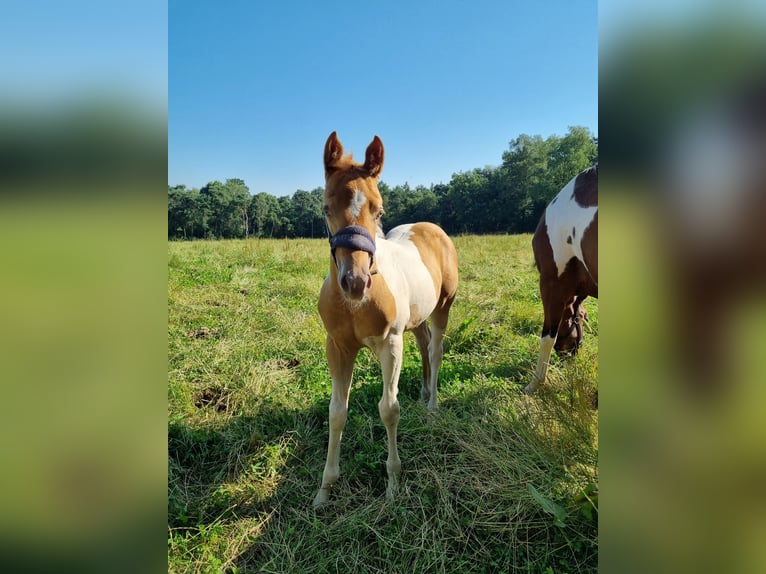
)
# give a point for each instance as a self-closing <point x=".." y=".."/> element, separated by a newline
<point x="354" y="286"/>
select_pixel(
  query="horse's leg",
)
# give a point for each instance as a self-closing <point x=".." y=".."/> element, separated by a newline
<point x="341" y="364"/>
<point x="423" y="337"/>
<point x="390" y="355"/>
<point x="436" y="348"/>
<point x="554" y="302"/>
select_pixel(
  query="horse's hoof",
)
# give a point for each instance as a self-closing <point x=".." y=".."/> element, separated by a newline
<point x="322" y="498"/>
<point x="530" y="389"/>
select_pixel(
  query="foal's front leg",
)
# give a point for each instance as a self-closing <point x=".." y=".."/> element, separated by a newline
<point x="390" y="356"/>
<point x="341" y="364"/>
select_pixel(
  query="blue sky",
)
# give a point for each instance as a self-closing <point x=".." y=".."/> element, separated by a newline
<point x="52" y="52"/>
<point x="255" y="88"/>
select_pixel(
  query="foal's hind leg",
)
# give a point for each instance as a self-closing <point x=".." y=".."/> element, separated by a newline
<point x="341" y="364"/>
<point x="436" y="349"/>
<point x="423" y="337"/>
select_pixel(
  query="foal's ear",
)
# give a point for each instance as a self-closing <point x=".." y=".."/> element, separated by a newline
<point x="373" y="157"/>
<point x="333" y="151"/>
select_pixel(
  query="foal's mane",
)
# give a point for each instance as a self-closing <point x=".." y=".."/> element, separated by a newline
<point x="347" y="162"/>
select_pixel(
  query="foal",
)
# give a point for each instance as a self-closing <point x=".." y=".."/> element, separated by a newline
<point x="377" y="288"/>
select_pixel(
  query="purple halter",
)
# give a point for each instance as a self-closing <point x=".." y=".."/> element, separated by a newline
<point x="353" y="237"/>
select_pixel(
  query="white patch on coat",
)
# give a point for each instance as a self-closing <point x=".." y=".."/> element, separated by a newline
<point x="565" y="219"/>
<point x="401" y="267"/>
<point x="400" y="233"/>
<point x="543" y="359"/>
<point x="357" y="203"/>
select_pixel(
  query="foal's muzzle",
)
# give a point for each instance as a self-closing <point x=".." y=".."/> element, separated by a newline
<point x="355" y="238"/>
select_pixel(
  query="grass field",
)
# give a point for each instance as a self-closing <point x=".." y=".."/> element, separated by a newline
<point x="495" y="481"/>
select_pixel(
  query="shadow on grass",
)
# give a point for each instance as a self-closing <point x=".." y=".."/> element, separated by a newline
<point x="240" y="487"/>
<point x="465" y="502"/>
<point x="233" y="462"/>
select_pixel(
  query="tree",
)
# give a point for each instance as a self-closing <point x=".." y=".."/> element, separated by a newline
<point x="534" y="171"/>
<point x="239" y="202"/>
<point x="187" y="217"/>
<point x="264" y="214"/>
<point x="424" y="205"/>
<point x="573" y="153"/>
<point x="509" y="198"/>
<point x="286" y="227"/>
<point x="176" y="219"/>
<point x="307" y="217"/>
<point x="468" y="202"/>
<point x="216" y="201"/>
<point x="395" y="205"/>
<point x="227" y="205"/>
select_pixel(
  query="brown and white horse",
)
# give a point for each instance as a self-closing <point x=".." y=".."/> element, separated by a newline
<point x="378" y="288"/>
<point x="565" y="245"/>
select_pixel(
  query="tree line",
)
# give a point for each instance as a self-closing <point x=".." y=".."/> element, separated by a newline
<point x="508" y="198"/>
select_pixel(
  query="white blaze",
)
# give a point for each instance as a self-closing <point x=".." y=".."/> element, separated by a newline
<point x="357" y="203"/>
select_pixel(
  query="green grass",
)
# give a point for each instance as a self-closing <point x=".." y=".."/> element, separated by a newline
<point x="495" y="481"/>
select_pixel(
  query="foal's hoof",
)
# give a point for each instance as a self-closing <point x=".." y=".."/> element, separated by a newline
<point x="322" y="498"/>
<point x="531" y="388"/>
